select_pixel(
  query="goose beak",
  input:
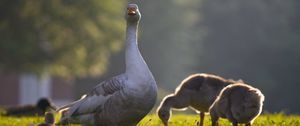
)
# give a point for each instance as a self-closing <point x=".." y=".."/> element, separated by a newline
<point x="131" y="11"/>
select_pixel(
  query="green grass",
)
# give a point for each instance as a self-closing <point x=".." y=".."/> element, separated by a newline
<point x="176" y="120"/>
<point x="279" y="119"/>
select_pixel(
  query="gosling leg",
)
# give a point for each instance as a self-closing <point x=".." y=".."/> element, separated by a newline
<point x="202" y="114"/>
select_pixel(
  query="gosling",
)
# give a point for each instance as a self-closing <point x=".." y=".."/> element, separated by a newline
<point x="197" y="91"/>
<point x="49" y="120"/>
<point x="239" y="103"/>
<point x="42" y="105"/>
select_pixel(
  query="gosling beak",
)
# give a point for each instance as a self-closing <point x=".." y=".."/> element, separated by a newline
<point x="165" y="123"/>
<point x="131" y="11"/>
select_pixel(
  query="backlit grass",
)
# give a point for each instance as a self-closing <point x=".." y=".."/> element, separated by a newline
<point x="279" y="119"/>
<point x="176" y="120"/>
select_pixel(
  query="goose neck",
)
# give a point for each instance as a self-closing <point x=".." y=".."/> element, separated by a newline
<point x="131" y="34"/>
<point x="135" y="63"/>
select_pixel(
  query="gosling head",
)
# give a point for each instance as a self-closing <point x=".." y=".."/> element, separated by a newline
<point x="164" y="116"/>
<point x="132" y="14"/>
<point x="45" y="104"/>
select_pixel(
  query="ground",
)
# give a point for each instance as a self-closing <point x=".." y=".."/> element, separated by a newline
<point x="278" y="119"/>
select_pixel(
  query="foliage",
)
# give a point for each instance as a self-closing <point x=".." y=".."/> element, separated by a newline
<point x="176" y="120"/>
<point x="65" y="37"/>
<point x="255" y="41"/>
<point x="165" y="28"/>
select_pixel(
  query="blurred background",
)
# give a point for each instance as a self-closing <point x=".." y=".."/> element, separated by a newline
<point x="61" y="49"/>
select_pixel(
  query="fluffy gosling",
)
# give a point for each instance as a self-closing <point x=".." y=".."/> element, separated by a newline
<point x="197" y="91"/>
<point x="239" y="103"/>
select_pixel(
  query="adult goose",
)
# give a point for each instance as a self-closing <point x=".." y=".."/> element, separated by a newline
<point x="122" y="100"/>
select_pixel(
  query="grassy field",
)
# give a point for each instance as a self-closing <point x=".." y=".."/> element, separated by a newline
<point x="176" y="120"/>
<point x="192" y="120"/>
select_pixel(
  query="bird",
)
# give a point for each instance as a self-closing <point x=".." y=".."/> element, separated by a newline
<point x="239" y="103"/>
<point x="42" y="105"/>
<point x="197" y="91"/>
<point x="49" y="120"/>
<point x="122" y="100"/>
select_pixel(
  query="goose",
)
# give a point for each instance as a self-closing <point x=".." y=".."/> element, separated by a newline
<point x="122" y="100"/>
<point x="197" y="91"/>
<point x="42" y="105"/>
<point x="239" y="103"/>
<point x="49" y="120"/>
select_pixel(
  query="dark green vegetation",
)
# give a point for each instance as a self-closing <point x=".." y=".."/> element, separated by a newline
<point x="176" y="120"/>
<point x="65" y="37"/>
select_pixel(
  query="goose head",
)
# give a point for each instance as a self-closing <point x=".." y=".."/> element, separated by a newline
<point x="133" y="14"/>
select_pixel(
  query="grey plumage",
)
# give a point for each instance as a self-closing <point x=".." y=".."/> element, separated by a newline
<point x="197" y="91"/>
<point x="122" y="100"/>
<point x="239" y="103"/>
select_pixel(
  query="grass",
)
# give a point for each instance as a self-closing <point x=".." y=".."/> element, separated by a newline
<point x="278" y="119"/>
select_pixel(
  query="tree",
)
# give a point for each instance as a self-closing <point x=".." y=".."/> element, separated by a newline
<point x="63" y="37"/>
<point x="256" y="41"/>
<point x="166" y="40"/>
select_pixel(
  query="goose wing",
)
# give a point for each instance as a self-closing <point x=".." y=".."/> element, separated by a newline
<point x="95" y="99"/>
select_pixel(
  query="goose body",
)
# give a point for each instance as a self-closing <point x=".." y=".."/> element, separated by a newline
<point x="122" y="100"/>
<point x="197" y="91"/>
<point x="239" y="103"/>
